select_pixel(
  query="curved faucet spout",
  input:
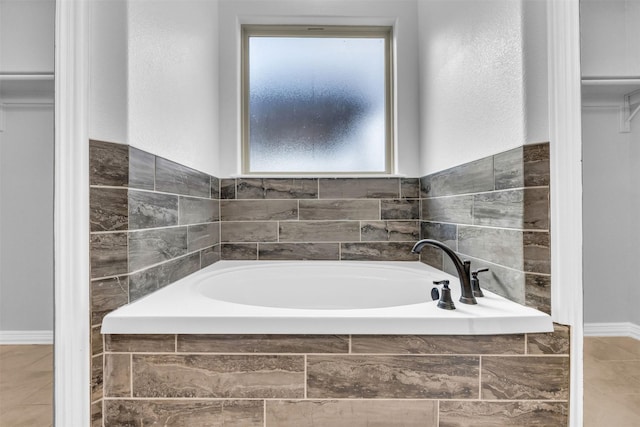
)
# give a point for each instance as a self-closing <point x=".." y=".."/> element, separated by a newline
<point x="462" y="267"/>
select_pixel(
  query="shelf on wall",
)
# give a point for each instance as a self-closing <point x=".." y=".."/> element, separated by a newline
<point x="623" y="91"/>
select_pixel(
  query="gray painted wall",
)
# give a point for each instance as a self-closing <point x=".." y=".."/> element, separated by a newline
<point x="26" y="167"/>
<point x="26" y="219"/>
<point x="610" y="40"/>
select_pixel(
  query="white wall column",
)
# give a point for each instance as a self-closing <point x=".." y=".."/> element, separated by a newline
<point x="71" y="216"/>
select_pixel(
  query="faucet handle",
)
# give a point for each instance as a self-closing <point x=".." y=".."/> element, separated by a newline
<point x="475" y="282"/>
<point x="445" y="297"/>
<point x="481" y="270"/>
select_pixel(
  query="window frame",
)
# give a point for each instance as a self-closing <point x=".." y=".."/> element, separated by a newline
<point x="315" y="31"/>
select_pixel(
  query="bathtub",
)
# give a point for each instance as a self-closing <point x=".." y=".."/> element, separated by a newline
<point x="318" y="297"/>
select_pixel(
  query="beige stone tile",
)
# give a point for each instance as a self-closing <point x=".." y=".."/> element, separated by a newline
<point x="393" y="377"/>
<point x="603" y="349"/>
<point x="626" y="344"/>
<point x="117" y="375"/>
<point x="140" y="343"/>
<point x="16" y="388"/>
<point x="491" y="414"/>
<point x="218" y="376"/>
<point x="176" y="413"/>
<point x="610" y="409"/>
<point x="27" y="416"/>
<point x="352" y="413"/>
<point x="525" y="378"/>
<point x="617" y="372"/>
<point x="438" y="344"/>
<point x="263" y="343"/>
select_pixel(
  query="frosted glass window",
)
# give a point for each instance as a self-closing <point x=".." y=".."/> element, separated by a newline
<point x="317" y="103"/>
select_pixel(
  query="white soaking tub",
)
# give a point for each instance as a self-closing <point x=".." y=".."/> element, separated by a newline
<point x="318" y="297"/>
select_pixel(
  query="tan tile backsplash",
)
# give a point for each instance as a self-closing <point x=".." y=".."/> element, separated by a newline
<point x="154" y="221"/>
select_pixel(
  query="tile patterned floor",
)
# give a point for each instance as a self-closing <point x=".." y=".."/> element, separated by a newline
<point x="612" y="382"/>
<point x="611" y="398"/>
<point x="26" y="385"/>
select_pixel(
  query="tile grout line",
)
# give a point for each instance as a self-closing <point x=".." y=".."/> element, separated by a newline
<point x="305" y="376"/>
<point x="480" y="378"/>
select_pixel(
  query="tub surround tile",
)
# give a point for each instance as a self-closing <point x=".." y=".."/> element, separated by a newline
<point x="319" y="231"/>
<point x="299" y="251"/>
<point x="438" y="344"/>
<point x="258" y="210"/>
<point x="525" y="378"/>
<point x="96" y="414"/>
<point x="107" y="295"/>
<point x="536" y="165"/>
<point x="142" y="169"/>
<point x="509" y="169"/>
<point x="174" y="178"/>
<point x="108" y="164"/>
<point x="238" y="232"/>
<point x="96" y="341"/>
<point x="399" y="209"/>
<point x="445" y="233"/>
<point x="473" y="177"/>
<point x="141" y="343"/>
<point x="215" y="187"/>
<point x="117" y="368"/>
<point x="152" y="210"/>
<point x="277" y="188"/>
<point x="97" y="377"/>
<point x="536" y="209"/>
<point x="432" y="256"/>
<point x="499" y="246"/>
<point x="452" y="209"/>
<point x="217" y="376"/>
<point x="377" y="251"/>
<point x="143" y="282"/>
<point x="192" y="413"/>
<point x="239" y="251"/>
<point x="503" y="209"/>
<point x="197" y="211"/>
<point x="391" y="231"/>
<point x="351" y="413"/>
<point x="202" y="236"/>
<point x="409" y="188"/>
<point x="556" y="342"/>
<point x="150" y="247"/>
<point x="263" y="343"/>
<point x="209" y="256"/>
<point x="227" y="188"/>
<point x="537" y="252"/>
<point x="538" y="292"/>
<point x="108" y="209"/>
<point x="426" y="377"/>
<point x="490" y="414"/>
<point x="108" y="254"/>
<point x="359" y="188"/>
<point x="506" y="282"/>
<point x="339" y="209"/>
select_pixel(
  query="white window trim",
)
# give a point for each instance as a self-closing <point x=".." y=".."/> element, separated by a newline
<point x="252" y="30"/>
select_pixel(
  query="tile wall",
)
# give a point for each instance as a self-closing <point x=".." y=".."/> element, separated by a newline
<point x="337" y="380"/>
<point x="319" y="219"/>
<point x="152" y="222"/>
<point x="495" y="212"/>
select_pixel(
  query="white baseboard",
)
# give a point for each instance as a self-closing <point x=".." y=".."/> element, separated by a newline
<point x="26" y="337"/>
<point x="620" y="329"/>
